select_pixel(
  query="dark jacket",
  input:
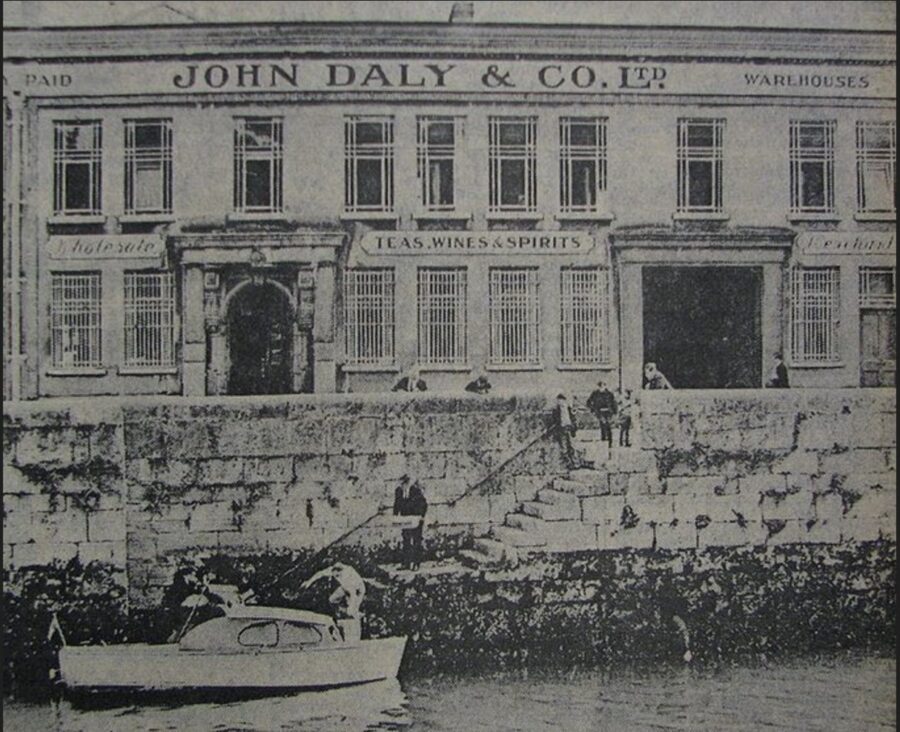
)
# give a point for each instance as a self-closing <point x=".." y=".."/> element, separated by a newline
<point x="780" y="378"/>
<point x="479" y="386"/>
<point x="403" y="385"/>
<point x="602" y="402"/>
<point x="413" y="504"/>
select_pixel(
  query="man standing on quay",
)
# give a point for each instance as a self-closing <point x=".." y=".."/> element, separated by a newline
<point x="409" y="500"/>
<point x="602" y="403"/>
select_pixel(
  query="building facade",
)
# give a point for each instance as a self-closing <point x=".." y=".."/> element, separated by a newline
<point x="318" y="208"/>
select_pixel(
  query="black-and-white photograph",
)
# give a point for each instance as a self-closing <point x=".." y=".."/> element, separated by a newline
<point x="440" y="365"/>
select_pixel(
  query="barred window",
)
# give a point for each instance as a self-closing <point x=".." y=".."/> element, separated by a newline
<point x="582" y="163"/>
<point x="75" y="320"/>
<point x="369" y="164"/>
<point x="876" y="163"/>
<point x="699" y="154"/>
<point x="148" y="166"/>
<point x="442" y="316"/>
<point x="515" y="317"/>
<point x="584" y="315"/>
<point x="512" y="161"/>
<point x="812" y="166"/>
<point x="77" y="153"/>
<point x="149" y="319"/>
<point x="878" y="287"/>
<point x="258" y="151"/>
<point x="369" y="317"/>
<point x="815" y="313"/>
<point x="436" y="153"/>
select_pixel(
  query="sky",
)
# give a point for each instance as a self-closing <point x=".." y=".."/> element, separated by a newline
<point x="856" y="15"/>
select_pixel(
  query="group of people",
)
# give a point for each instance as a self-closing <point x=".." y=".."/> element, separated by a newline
<point x="611" y="410"/>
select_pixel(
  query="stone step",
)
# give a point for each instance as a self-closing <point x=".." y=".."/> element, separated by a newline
<point x="573" y="487"/>
<point x="523" y="521"/>
<point x="517" y="537"/>
<point x="552" y="511"/>
<point x="586" y="475"/>
<point x="496" y="551"/>
<point x="474" y="560"/>
<point x="558" y="498"/>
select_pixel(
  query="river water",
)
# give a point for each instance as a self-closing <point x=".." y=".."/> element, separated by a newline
<point x="834" y="693"/>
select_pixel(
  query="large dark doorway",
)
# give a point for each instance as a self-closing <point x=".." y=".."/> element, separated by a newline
<point x="260" y="337"/>
<point x="702" y="325"/>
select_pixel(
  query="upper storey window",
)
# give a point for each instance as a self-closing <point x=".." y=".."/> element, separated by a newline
<point x="582" y="164"/>
<point x="513" y="164"/>
<point x="148" y="166"/>
<point x="700" y="165"/>
<point x="876" y="163"/>
<point x="77" y="152"/>
<point x="436" y="153"/>
<point x="812" y="167"/>
<point x="369" y="164"/>
<point x="258" y="150"/>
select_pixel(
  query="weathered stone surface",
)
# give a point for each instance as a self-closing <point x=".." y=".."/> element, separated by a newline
<point x="676" y="535"/>
<point x="106" y="526"/>
<point x="602" y="509"/>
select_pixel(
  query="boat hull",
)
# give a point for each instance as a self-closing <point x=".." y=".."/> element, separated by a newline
<point x="143" y="667"/>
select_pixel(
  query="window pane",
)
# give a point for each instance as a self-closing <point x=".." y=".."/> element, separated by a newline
<point x="700" y="135"/>
<point x="148" y="186"/>
<point x="148" y="135"/>
<point x="440" y="133"/>
<point x="78" y="137"/>
<point x="258" y="134"/>
<point x="812" y="182"/>
<point x="512" y="133"/>
<point x="369" y="192"/>
<point x="812" y="136"/>
<point x="369" y="132"/>
<point x="877" y="186"/>
<point x="259" y="184"/>
<point x="512" y="182"/>
<point x="77" y="187"/>
<point x="583" y="134"/>
<point x="700" y="180"/>
<point x="584" y="183"/>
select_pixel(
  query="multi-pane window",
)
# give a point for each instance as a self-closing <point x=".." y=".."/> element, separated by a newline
<point x="512" y="158"/>
<point x="369" y="317"/>
<point x="515" y="316"/>
<point x="148" y="166"/>
<point x="369" y="164"/>
<point x="436" y="152"/>
<point x="77" y="152"/>
<point x="582" y="163"/>
<point x="877" y="287"/>
<point x="584" y="315"/>
<point x="149" y="319"/>
<point x="258" y="151"/>
<point x="442" y="316"/>
<point x="699" y="154"/>
<point x="75" y="320"/>
<point x="815" y="314"/>
<point x="876" y="162"/>
<point x="812" y="166"/>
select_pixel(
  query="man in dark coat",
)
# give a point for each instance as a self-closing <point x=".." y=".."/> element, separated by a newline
<point x="779" y="376"/>
<point x="412" y="381"/>
<point x="564" y="424"/>
<point x="409" y="500"/>
<point x="602" y="403"/>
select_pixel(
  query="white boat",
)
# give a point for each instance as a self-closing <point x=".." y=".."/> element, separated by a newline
<point x="251" y="648"/>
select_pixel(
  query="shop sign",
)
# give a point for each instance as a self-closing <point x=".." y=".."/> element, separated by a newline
<point x="846" y="242"/>
<point x="465" y="243"/>
<point x="107" y="246"/>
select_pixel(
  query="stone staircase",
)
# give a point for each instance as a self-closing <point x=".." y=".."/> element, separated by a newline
<point x="559" y="518"/>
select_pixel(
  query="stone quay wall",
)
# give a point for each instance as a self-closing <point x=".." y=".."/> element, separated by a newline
<point x="139" y="484"/>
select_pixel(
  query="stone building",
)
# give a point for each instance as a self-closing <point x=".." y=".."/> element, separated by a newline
<point x="278" y="208"/>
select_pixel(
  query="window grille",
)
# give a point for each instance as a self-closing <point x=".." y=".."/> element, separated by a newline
<point x="878" y="287"/>
<point x="699" y="154"/>
<point x="258" y="152"/>
<point x="512" y="164"/>
<point x="876" y="163"/>
<point x="148" y="166"/>
<point x="369" y="317"/>
<point x="436" y="152"/>
<point x="582" y="163"/>
<point x="584" y="315"/>
<point x="369" y="164"/>
<point x="812" y="166"/>
<point x="515" y="317"/>
<point x="149" y="319"/>
<point x="77" y="154"/>
<point x="442" y="316"/>
<point x="75" y="320"/>
<point x="815" y="314"/>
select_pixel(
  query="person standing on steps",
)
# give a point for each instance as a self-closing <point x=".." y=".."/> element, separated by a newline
<point x="602" y="403"/>
<point x="778" y="379"/>
<point x="409" y="500"/>
<point x="626" y="404"/>
<point x="564" y="424"/>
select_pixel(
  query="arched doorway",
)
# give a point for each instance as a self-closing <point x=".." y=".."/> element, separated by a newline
<point x="260" y="340"/>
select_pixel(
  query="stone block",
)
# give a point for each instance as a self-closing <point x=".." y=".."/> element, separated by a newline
<point x="828" y="507"/>
<point x="42" y="553"/>
<point x="500" y="505"/>
<point x="14" y="481"/>
<point x="527" y="486"/>
<point x="618" y="484"/>
<point x="96" y="551"/>
<point x="819" y="431"/>
<point x="853" y="461"/>
<point x="788" y="506"/>
<point x="683" y="535"/>
<point x="106" y="526"/>
<point x="568" y="536"/>
<point x="823" y="531"/>
<point x="687" y="506"/>
<point x="269" y="470"/>
<point x="874" y="505"/>
<point x="798" y="462"/>
<point x="616" y="537"/>
<point x="602" y="509"/>
<point x="730" y="533"/>
<point x="48" y="446"/>
<point x="62" y="527"/>
<point x="794" y="532"/>
<point x="861" y="529"/>
<point x="748" y="505"/>
<point x="229" y="471"/>
<point x="215" y="516"/>
<point x="659" y="509"/>
<point x="17" y="526"/>
<point x="762" y="484"/>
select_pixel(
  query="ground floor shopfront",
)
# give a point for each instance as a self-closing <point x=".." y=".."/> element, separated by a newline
<point x="330" y="310"/>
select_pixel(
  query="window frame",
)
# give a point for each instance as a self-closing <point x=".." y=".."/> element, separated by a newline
<point x="823" y="156"/>
<point x="135" y="155"/>
<point x="807" y="295"/>
<point x="273" y="154"/>
<point x="86" y="305"/>
<point x="527" y="331"/>
<point x="428" y="153"/>
<point x="63" y="158"/>
<point x="712" y="154"/>
<point x="451" y="330"/>
<point x="866" y="155"/>
<point x="877" y="301"/>
<point x="499" y="153"/>
<point x="570" y="356"/>
<point x="595" y="154"/>
<point x="381" y="333"/>
<point x="160" y="336"/>
<point x="355" y="152"/>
